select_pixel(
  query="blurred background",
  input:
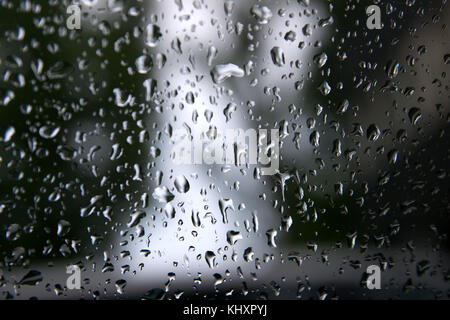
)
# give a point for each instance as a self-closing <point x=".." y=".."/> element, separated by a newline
<point x="86" y="149"/>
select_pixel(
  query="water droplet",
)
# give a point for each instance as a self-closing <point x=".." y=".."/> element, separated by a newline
<point x="162" y="194"/>
<point x="144" y="64"/>
<point x="392" y="68"/>
<point x="152" y="35"/>
<point x="9" y="133"/>
<point x="224" y="206"/>
<point x="325" y="88"/>
<point x="233" y="236"/>
<point x="373" y="132"/>
<point x="181" y="184"/>
<point x="120" y="285"/>
<point x="222" y="72"/>
<point x="277" y="55"/>
<point x="271" y="234"/>
<point x="414" y="115"/>
<point x="261" y="13"/>
<point x="136" y="218"/>
<point x="49" y="131"/>
<point x="210" y="258"/>
<point x="63" y="228"/>
<point x="320" y="59"/>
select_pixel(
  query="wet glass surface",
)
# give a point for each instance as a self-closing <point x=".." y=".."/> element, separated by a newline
<point x="115" y="164"/>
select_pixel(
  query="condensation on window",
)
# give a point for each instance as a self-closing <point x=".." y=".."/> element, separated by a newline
<point x="181" y="149"/>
